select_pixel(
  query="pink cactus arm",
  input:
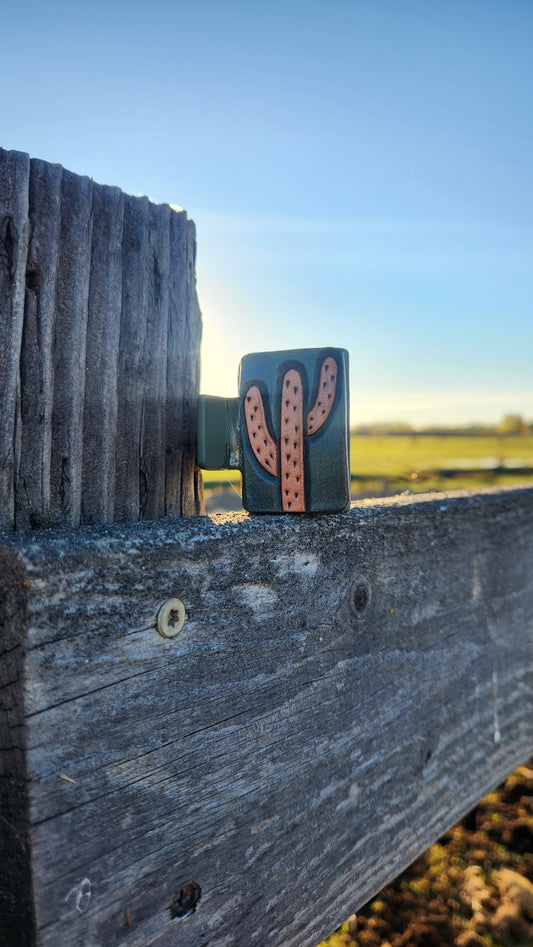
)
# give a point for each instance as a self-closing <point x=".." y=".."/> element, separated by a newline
<point x="263" y="446"/>
<point x="325" y="397"/>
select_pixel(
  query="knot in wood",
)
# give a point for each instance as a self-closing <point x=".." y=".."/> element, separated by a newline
<point x="359" y="596"/>
<point x="185" y="900"/>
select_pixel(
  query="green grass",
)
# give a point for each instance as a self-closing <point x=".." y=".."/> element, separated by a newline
<point x="220" y="477"/>
<point x="417" y="462"/>
<point x="402" y="455"/>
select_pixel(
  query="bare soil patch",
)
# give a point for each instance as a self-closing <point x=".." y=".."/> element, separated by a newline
<point x="473" y="888"/>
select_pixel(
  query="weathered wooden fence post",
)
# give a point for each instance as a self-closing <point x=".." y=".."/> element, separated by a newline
<point x="99" y="366"/>
<point x="344" y="688"/>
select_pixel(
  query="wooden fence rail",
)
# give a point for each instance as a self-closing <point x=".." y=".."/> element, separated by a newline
<point x="344" y="688"/>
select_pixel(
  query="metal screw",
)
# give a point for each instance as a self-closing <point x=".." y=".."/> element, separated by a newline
<point x="171" y="618"/>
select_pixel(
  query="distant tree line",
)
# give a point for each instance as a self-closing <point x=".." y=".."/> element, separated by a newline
<point x="510" y="425"/>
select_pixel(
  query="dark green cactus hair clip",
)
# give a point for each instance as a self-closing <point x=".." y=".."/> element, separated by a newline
<point x="287" y="432"/>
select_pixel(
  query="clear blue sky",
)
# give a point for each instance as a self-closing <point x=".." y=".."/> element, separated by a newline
<point x="359" y="173"/>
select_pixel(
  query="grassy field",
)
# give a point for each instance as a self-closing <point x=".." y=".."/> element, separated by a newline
<point x="407" y="454"/>
<point x="388" y="464"/>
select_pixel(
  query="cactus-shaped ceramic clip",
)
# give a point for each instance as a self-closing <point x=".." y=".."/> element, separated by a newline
<point x="287" y="432"/>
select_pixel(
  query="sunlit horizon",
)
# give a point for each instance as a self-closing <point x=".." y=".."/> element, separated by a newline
<point x="359" y="176"/>
<point x="417" y="409"/>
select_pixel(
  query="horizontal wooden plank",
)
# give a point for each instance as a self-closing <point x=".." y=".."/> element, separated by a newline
<point x="344" y="689"/>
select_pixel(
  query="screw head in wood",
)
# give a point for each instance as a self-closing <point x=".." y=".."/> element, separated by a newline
<point x="171" y="618"/>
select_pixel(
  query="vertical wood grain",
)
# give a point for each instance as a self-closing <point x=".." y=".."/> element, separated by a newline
<point x="183" y="484"/>
<point x="99" y="352"/>
<point x="69" y="349"/>
<point x="37" y="356"/>
<point x="101" y="377"/>
<point x="191" y="483"/>
<point x="178" y="344"/>
<point x="151" y="470"/>
<point x="14" y="178"/>
<point x="131" y="358"/>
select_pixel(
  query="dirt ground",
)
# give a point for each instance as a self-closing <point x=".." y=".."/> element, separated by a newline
<point x="473" y="888"/>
